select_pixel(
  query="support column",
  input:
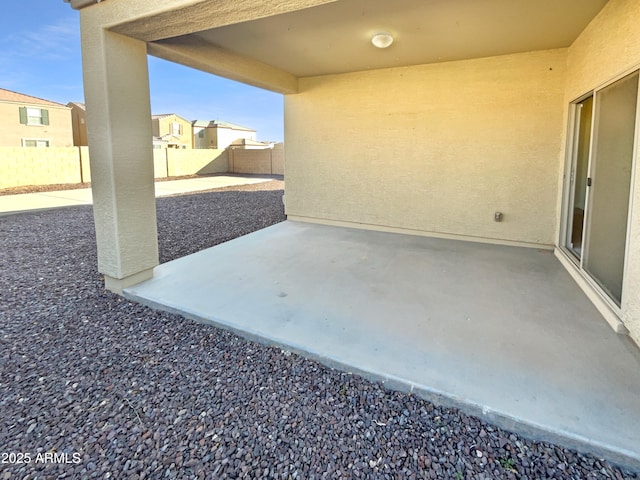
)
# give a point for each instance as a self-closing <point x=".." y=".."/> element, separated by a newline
<point x="116" y="84"/>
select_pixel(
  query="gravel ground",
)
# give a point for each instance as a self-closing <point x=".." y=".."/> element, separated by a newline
<point x="56" y="187"/>
<point x="117" y="390"/>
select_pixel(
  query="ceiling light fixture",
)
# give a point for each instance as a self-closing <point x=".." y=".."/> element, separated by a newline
<point x="382" y="40"/>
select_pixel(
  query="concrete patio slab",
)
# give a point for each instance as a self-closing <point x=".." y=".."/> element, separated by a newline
<point x="82" y="196"/>
<point x="502" y="332"/>
<point x="44" y="200"/>
<point x="178" y="187"/>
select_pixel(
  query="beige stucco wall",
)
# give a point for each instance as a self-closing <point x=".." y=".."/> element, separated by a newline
<point x="433" y="148"/>
<point x="608" y="47"/>
<point x="58" y="132"/>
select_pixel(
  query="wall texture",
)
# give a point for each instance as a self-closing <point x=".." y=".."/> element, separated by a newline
<point x="432" y="148"/>
<point x="607" y="48"/>
<point x="190" y="162"/>
<point x="39" y="166"/>
<point x="43" y="166"/>
<point x="160" y="163"/>
<point x="268" y="161"/>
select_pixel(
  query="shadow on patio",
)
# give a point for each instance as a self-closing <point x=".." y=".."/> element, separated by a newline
<point x="502" y="332"/>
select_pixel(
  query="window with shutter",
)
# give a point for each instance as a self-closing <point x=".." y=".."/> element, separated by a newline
<point x="34" y="116"/>
<point x="176" y="128"/>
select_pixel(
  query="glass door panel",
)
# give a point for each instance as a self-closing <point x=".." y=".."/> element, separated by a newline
<point x="610" y="178"/>
<point x="579" y="173"/>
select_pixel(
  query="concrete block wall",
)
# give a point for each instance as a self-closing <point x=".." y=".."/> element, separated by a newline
<point x="196" y="161"/>
<point x="259" y="161"/>
<point x="39" y="166"/>
<point x="20" y="166"/>
<point x="85" y="167"/>
<point x="277" y="160"/>
<point x="160" y="163"/>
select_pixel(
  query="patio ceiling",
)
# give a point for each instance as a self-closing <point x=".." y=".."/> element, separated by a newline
<point x="334" y="37"/>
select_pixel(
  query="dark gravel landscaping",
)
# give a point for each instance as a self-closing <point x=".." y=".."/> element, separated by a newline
<point x="118" y="390"/>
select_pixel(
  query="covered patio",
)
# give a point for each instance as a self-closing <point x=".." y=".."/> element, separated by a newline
<point x="502" y="332"/>
<point x="480" y="122"/>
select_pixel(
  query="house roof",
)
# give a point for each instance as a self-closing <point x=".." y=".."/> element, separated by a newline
<point x="77" y="104"/>
<point x="164" y="115"/>
<point x="247" y="142"/>
<point x="168" y="137"/>
<point x="15" y="97"/>
<point x="78" y="4"/>
<point x="220" y="124"/>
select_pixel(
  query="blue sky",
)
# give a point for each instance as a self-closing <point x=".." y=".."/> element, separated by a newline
<point x="40" y="56"/>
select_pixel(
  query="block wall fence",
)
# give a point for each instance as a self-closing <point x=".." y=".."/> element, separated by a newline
<point x="22" y="166"/>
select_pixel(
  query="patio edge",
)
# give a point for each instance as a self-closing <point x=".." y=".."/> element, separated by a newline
<point x="622" y="458"/>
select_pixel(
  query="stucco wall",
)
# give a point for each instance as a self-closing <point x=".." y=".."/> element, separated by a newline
<point x="432" y="148"/>
<point x="608" y="47"/>
<point x="59" y="131"/>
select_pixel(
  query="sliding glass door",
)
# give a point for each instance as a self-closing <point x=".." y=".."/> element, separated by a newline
<point x="603" y="152"/>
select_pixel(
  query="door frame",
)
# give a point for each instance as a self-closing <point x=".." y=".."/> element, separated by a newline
<point x="570" y="177"/>
<point x="607" y="306"/>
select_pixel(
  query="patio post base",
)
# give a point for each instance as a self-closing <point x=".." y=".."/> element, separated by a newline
<point x="116" y="285"/>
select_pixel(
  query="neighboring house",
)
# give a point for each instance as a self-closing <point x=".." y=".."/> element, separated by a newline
<point x="219" y="134"/>
<point x="79" y="122"/>
<point x="28" y="121"/>
<point x="248" y="144"/>
<point x="465" y="116"/>
<point x="168" y="141"/>
<point x="175" y="131"/>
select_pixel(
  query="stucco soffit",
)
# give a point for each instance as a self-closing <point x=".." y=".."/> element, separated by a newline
<point x="197" y="53"/>
<point x="163" y="24"/>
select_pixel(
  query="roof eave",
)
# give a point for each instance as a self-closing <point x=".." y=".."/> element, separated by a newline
<point x="80" y="4"/>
